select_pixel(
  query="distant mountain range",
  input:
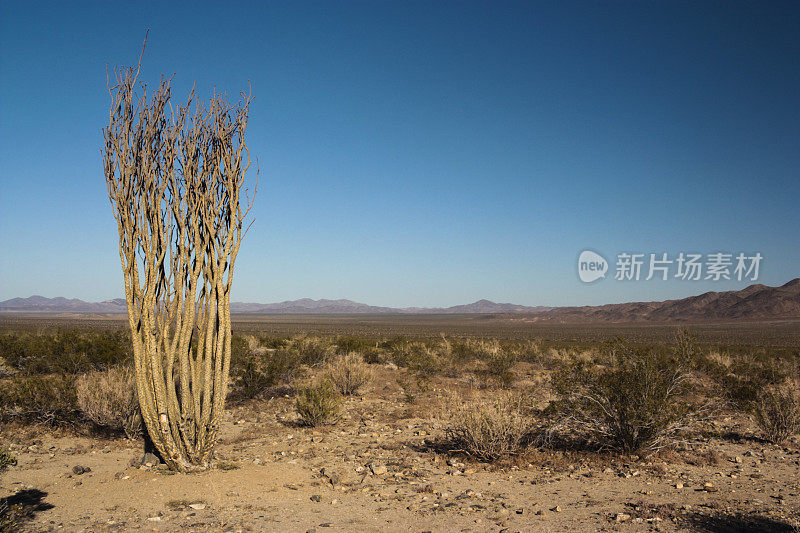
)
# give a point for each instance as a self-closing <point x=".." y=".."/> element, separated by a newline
<point x="754" y="302"/>
<point x="304" y="306"/>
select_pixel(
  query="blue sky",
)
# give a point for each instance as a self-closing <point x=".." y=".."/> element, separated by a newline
<point x="425" y="153"/>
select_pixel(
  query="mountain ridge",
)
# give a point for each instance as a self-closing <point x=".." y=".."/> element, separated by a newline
<point x="756" y="301"/>
<point x="41" y="304"/>
<point x="753" y="302"/>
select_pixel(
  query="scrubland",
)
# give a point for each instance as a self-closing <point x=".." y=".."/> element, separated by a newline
<point x="377" y="429"/>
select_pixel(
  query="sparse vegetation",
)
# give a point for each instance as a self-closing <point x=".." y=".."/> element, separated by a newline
<point x="109" y="400"/>
<point x="311" y="351"/>
<point x="418" y="357"/>
<point x="447" y="401"/>
<point x="227" y="465"/>
<point x="349" y="373"/>
<point x="65" y="351"/>
<point x="634" y="399"/>
<point x="777" y="412"/>
<point x="317" y="403"/>
<point x="45" y="399"/>
<point x="256" y="373"/>
<point x="6" y="459"/>
<point x="490" y="428"/>
<point x="500" y="364"/>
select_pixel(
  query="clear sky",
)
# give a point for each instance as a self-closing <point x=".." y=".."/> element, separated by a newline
<point x="425" y="153"/>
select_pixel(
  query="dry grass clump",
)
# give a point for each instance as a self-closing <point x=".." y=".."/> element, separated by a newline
<point x="317" y="403"/>
<point x="489" y="429"/>
<point x="777" y="412"/>
<point x="349" y="373"/>
<point x="109" y="400"/>
<point x="632" y="400"/>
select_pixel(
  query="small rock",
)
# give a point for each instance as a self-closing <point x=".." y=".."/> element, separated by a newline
<point x="154" y="519"/>
<point x="556" y="509"/>
<point x="78" y="470"/>
<point x="150" y="458"/>
<point x="377" y="469"/>
<point x="622" y="517"/>
<point x="709" y="487"/>
<point x="679" y="485"/>
<point x="737" y="459"/>
<point x="197" y="506"/>
<point x="316" y="498"/>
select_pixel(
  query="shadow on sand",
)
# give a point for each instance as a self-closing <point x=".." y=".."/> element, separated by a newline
<point x="21" y="507"/>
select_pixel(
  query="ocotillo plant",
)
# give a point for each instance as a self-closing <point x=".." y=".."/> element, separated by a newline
<point x="175" y="178"/>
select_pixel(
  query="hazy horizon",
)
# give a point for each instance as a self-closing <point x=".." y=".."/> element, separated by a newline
<point x="425" y="154"/>
<point x="374" y="304"/>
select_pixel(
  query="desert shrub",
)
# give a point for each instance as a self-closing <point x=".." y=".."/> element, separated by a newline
<point x="109" y="400"/>
<point x="240" y="347"/>
<point x="635" y="400"/>
<point x="349" y="343"/>
<point x="499" y="366"/>
<point x="6" y="460"/>
<point x="490" y="429"/>
<point x="312" y="351"/>
<point x="271" y="341"/>
<point x="777" y="412"/>
<point x="348" y="373"/>
<point x="317" y="403"/>
<point x="66" y="351"/>
<point x="373" y="355"/>
<point x="530" y="351"/>
<point x="11" y="517"/>
<point x="40" y="399"/>
<point x="742" y="380"/>
<point x="418" y="357"/>
<point x="255" y="374"/>
<point x="5" y="369"/>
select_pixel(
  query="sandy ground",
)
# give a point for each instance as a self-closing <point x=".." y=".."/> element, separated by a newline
<point x="376" y="470"/>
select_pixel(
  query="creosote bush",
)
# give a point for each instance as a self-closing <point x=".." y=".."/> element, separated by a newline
<point x="489" y="429"/>
<point x="109" y="400"/>
<point x="743" y="379"/>
<point x="317" y="403"/>
<point x="349" y="373"/>
<point x="418" y="357"/>
<point x="46" y="399"/>
<point x="312" y="351"/>
<point x="632" y="400"/>
<point x="256" y="373"/>
<point x="777" y="412"/>
<point x="65" y="351"/>
<point x="500" y="367"/>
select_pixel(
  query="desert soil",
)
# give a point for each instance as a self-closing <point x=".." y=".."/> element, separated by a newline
<point x="376" y="470"/>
